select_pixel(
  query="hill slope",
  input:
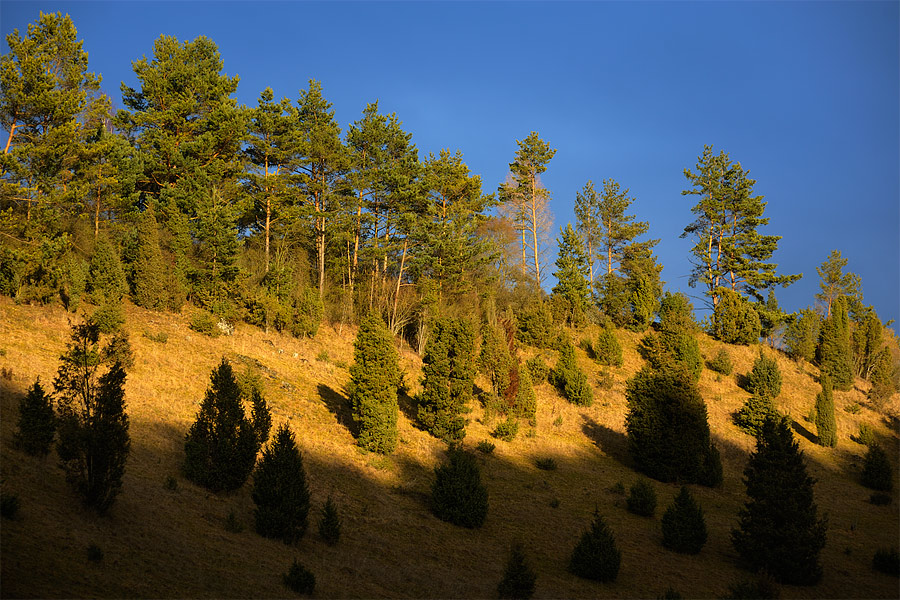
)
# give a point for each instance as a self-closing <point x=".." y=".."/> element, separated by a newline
<point x="173" y="543"/>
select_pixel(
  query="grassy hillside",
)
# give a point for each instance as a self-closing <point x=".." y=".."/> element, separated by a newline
<point x="159" y="542"/>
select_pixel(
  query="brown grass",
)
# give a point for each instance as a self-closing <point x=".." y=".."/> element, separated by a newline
<point x="162" y="543"/>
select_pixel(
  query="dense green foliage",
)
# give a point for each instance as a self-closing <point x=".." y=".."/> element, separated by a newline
<point x="596" y="555"/>
<point x="571" y="295"/>
<point x="673" y="352"/>
<point x="93" y="442"/>
<point x="607" y="350"/>
<point x="220" y="447"/>
<point x="734" y="319"/>
<point x="299" y="579"/>
<point x="569" y="379"/>
<point x="535" y="326"/>
<point x="887" y="560"/>
<point x="683" y="525"/>
<point x="802" y="335"/>
<point x="457" y="495"/>
<point x="538" y="369"/>
<point x="754" y="413"/>
<point x="668" y="432"/>
<point x="641" y="498"/>
<point x="877" y="473"/>
<point x="826" y="426"/>
<point x="330" y="523"/>
<point x="721" y="363"/>
<point x="764" y="380"/>
<point x="280" y="491"/>
<point x="518" y="578"/>
<point x="833" y="354"/>
<point x="37" y="421"/>
<point x="448" y="370"/>
<point x="779" y="528"/>
<point x="374" y="376"/>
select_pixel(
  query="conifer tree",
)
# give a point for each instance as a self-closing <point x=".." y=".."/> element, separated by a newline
<point x="866" y="341"/>
<point x="457" y="495"/>
<point x="374" y="376"/>
<point x="37" y="421"/>
<point x="518" y="578"/>
<point x="526" y="401"/>
<point x="802" y="335"/>
<point x="826" y="427"/>
<point x="280" y="491"/>
<point x="571" y="295"/>
<point x="607" y="350"/>
<point x="330" y="523"/>
<point x="569" y="379"/>
<point x="765" y="377"/>
<point x="835" y="283"/>
<point x="596" y="555"/>
<point x="882" y="379"/>
<point x="683" y="525"/>
<point x="667" y="428"/>
<point x="877" y="473"/>
<point x="587" y="212"/>
<point x="494" y="360"/>
<point x="779" y="528"/>
<point x="449" y="368"/>
<point x="149" y="270"/>
<point x="221" y="446"/>
<point x="833" y="352"/>
<point x="93" y="440"/>
<point x="734" y="319"/>
<point x="106" y="279"/>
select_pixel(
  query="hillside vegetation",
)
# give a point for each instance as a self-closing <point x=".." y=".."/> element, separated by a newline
<point x="166" y="537"/>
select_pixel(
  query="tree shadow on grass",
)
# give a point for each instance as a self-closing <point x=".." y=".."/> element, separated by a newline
<point x="803" y="431"/>
<point x="610" y="442"/>
<point x="339" y="406"/>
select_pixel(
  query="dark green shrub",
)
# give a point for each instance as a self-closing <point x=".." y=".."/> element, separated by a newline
<point x="526" y="400"/>
<point x="676" y="314"/>
<point x="457" y="495"/>
<point x="9" y="506"/>
<point x="495" y="360"/>
<point x="518" y="578"/>
<point x="506" y="430"/>
<point x="880" y="499"/>
<point x="545" y="464"/>
<point x="721" y="363"/>
<point x="671" y="594"/>
<point x="106" y="280"/>
<point x="109" y="317"/>
<point x="833" y="353"/>
<point x="734" y="319"/>
<point x="485" y="447"/>
<point x="221" y="446"/>
<point x="37" y="422"/>
<point x="641" y="498"/>
<point x="802" y="335"/>
<point x="534" y="326"/>
<point x="764" y="380"/>
<point x="754" y="413"/>
<point x="667" y="428"/>
<point x="538" y="369"/>
<point x="171" y="484"/>
<point x="683" y="525"/>
<point x="280" y="491"/>
<point x="149" y="276"/>
<point x="374" y="376"/>
<point x="203" y="322"/>
<point x="826" y="426"/>
<point x="308" y="313"/>
<point x="676" y="352"/>
<point x="877" y="473"/>
<point x="596" y="556"/>
<point x="865" y="435"/>
<point x="764" y="587"/>
<point x="94" y="553"/>
<point x="161" y="338"/>
<point x="448" y="372"/>
<point x="299" y="580"/>
<point x="887" y="560"/>
<point x="569" y="379"/>
<point x="607" y="350"/>
<point x="330" y="523"/>
<point x="779" y="528"/>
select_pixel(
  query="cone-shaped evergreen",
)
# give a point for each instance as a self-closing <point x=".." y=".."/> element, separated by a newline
<point x="826" y="427"/>
<point x="877" y="472"/>
<point x="571" y="295"/>
<point x="106" y="280"/>
<point x="448" y="372"/>
<point x="755" y="411"/>
<point x="220" y="447"/>
<point x="374" y="376"/>
<point x="802" y="335"/>
<point x="526" y="401"/>
<point x="596" y="555"/>
<point x="518" y="578"/>
<point x="734" y="319"/>
<point x="607" y="350"/>
<point x="668" y="432"/>
<point x="764" y="380"/>
<point x="280" y="491"/>
<point x="149" y="278"/>
<point x="37" y="422"/>
<point x="780" y="530"/>
<point x="457" y="494"/>
<point x="833" y="354"/>
<point x="330" y="523"/>
<point x="683" y="525"/>
<point x="569" y="379"/>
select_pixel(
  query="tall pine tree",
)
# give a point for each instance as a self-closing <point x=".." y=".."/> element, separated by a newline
<point x="571" y="295"/>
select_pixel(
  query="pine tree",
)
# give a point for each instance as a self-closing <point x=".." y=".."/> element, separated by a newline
<point x="518" y="578"/>
<point x="149" y="270"/>
<point x="330" y="523"/>
<point x="106" y="279"/>
<point x="569" y="379"/>
<point x="221" y="446"/>
<point x="37" y="422"/>
<point x="683" y="525"/>
<point x="833" y="352"/>
<point x="877" y="472"/>
<point x="526" y="401"/>
<point x="826" y="427"/>
<point x="607" y="350"/>
<point x="764" y="380"/>
<point x="802" y="335"/>
<point x="835" y="283"/>
<point x="667" y="428"/>
<point x="280" y="491"/>
<point x="449" y="368"/>
<point x="374" y="376"/>
<point x="780" y="530"/>
<point x="571" y="295"/>
<point x="457" y="495"/>
<point x="93" y="426"/>
<point x="754" y="413"/>
<point x="596" y="555"/>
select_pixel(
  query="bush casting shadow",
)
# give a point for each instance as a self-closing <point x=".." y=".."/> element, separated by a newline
<point x="612" y="443"/>
<point x="339" y="406"/>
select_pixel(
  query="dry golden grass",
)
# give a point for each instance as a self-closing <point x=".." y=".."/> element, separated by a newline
<point x="163" y="543"/>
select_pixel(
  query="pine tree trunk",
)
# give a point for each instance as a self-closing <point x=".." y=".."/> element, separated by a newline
<point x="397" y="291"/>
<point x="12" y="128"/>
<point x="97" y="208"/>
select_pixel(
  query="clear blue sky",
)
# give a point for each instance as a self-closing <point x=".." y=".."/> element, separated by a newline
<point x="806" y="95"/>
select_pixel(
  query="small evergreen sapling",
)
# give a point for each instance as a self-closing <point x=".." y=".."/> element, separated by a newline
<point x="887" y="560"/>
<point x="299" y="579"/>
<point x="457" y="495"/>
<point x="642" y="498"/>
<point x="826" y="427"/>
<point x="37" y="422"/>
<point x="280" y="491"/>
<point x="518" y="578"/>
<point x="721" y="363"/>
<point x="569" y="379"/>
<point x="877" y="473"/>
<point x="330" y="523"/>
<point x="764" y="380"/>
<point x="683" y="525"/>
<point x="596" y="555"/>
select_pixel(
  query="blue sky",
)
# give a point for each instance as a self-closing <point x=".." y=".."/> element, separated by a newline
<point x="803" y="94"/>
